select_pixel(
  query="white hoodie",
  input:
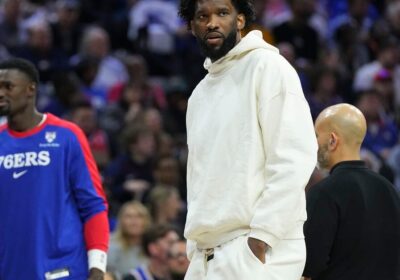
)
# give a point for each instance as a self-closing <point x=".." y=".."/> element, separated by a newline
<point x="252" y="149"/>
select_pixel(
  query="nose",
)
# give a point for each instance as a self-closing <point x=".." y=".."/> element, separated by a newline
<point x="213" y="23"/>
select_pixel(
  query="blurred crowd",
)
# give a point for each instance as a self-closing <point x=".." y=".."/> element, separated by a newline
<point x="123" y="71"/>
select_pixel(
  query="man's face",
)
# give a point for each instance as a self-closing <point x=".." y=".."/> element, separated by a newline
<point x="167" y="171"/>
<point x="164" y="245"/>
<point x="216" y="25"/>
<point x="15" y="91"/>
<point x="323" y="148"/>
<point x="85" y="118"/>
<point x="178" y="262"/>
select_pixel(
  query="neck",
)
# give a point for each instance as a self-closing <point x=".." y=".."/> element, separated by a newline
<point x="158" y="269"/>
<point x="24" y="121"/>
<point x="346" y="156"/>
<point x="138" y="158"/>
<point x="134" y="240"/>
<point x="298" y="21"/>
<point x="162" y="218"/>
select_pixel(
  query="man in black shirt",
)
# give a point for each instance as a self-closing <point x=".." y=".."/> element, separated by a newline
<point x="353" y="227"/>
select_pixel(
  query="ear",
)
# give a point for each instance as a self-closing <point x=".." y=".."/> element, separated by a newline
<point x="240" y="21"/>
<point x="333" y="141"/>
<point x="152" y="249"/>
<point x="32" y="90"/>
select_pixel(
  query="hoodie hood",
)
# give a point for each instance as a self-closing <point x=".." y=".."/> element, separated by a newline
<point x="253" y="40"/>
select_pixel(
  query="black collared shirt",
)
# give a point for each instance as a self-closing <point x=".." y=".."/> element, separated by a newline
<point x="353" y="226"/>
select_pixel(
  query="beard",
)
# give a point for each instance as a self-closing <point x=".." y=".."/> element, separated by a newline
<point x="177" y="275"/>
<point x="4" y="111"/>
<point x="323" y="157"/>
<point x="215" y="53"/>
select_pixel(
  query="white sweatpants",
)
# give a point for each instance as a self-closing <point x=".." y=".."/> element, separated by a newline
<point x="234" y="260"/>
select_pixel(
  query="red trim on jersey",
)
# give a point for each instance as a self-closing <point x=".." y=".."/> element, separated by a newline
<point x="96" y="229"/>
<point x="29" y="132"/>
<point x="3" y="127"/>
<point x="90" y="163"/>
<point x="96" y="232"/>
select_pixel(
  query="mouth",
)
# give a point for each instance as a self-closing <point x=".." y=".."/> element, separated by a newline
<point x="214" y="38"/>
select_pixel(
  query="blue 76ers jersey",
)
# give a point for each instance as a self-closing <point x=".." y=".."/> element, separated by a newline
<point x="47" y="192"/>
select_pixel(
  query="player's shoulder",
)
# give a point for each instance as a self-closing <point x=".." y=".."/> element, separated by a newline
<point x="62" y="123"/>
<point x="265" y="54"/>
<point x="325" y="187"/>
<point x="3" y="127"/>
<point x="269" y="59"/>
<point x="67" y="126"/>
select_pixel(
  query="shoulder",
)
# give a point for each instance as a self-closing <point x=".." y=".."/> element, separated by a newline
<point x="114" y="242"/>
<point x="264" y="55"/>
<point x="68" y="126"/>
<point x="3" y="127"/>
<point x="323" y="188"/>
<point x="270" y="61"/>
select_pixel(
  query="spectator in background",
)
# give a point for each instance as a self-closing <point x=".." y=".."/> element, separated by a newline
<point x="286" y="49"/>
<point x="125" y="250"/>
<point x="112" y="15"/>
<point x="276" y="12"/>
<point x="388" y="59"/>
<point x="152" y="120"/>
<point x="389" y="25"/>
<point x="152" y="94"/>
<point x="382" y="132"/>
<point x="39" y="49"/>
<point x="377" y="164"/>
<point x="131" y="103"/>
<point x="86" y="70"/>
<point x="95" y="43"/>
<point x="258" y="23"/>
<point x="157" y="242"/>
<point x="11" y="24"/>
<point x="175" y="117"/>
<point x="165" y="207"/>
<point x="353" y="226"/>
<point x="85" y="116"/>
<point x="352" y="52"/>
<point x="325" y="91"/>
<point x="298" y="32"/>
<point x="357" y="17"/>
<point x="167" y="174"/>
<point x="384" y="86"/>
<point x="177" y="260"/>
<point x="66" y="29"/>
<point x="65" y="95"/>
<point x="130" y="174"/>
<point x="153" y="25"/>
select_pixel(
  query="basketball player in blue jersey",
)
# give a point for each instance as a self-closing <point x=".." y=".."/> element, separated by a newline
<point x="53" y="212"/>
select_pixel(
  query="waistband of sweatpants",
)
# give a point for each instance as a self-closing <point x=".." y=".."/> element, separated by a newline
<point x="209" y="241"/>
<point x="221" y="240"/>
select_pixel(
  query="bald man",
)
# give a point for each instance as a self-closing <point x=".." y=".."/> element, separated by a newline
<point x="353" y="226"/>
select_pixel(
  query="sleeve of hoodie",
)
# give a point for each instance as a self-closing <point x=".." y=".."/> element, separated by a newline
<point x="290" y="149"/>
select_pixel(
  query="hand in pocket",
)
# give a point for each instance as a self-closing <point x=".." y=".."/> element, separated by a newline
<point x="258" y="247"/>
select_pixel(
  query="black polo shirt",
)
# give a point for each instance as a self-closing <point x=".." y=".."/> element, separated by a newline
<point x="353" y="226"/>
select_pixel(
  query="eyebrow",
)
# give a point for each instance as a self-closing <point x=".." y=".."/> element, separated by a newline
<point x="220" y="8"/>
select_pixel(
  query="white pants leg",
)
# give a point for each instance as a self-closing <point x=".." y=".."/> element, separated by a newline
<point x="235" y="261"/>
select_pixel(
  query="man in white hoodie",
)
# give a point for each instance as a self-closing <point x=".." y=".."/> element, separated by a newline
<point x="252" y="149"/>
